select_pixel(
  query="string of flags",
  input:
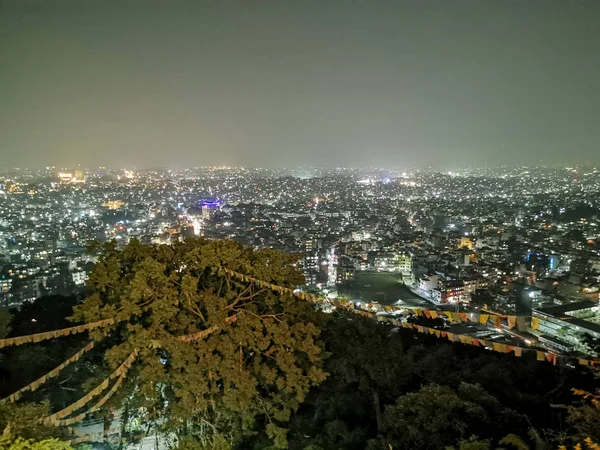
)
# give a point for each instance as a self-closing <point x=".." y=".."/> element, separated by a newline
<point x="39" y="337"/>
<point x="477" y="342"/>
<point x="455" y="317"/>
<point x="101" y="402"/>
<point x="54" y="419"/>
<point x="53" y="373"/>
<point x="57" y="419"/>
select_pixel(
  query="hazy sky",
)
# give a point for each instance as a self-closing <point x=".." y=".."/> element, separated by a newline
<point x="285" y="83"/>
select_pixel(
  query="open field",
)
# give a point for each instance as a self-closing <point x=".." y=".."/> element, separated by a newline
<point x="383" y="287"/>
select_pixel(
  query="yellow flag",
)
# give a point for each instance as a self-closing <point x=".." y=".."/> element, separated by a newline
<point x="512" y="321"/>
<point x="540" y="356"/>
<point x="434" y="314"/>
<point x="535" y="323"/>
<point x="483" y="318"/>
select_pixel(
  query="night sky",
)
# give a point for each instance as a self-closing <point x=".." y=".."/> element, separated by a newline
<point x="419" y="83"/>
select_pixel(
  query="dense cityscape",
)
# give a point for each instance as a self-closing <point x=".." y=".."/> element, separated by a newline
<point x="521" y="242"/>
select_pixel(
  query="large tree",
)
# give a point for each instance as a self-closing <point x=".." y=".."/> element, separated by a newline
<point x="437" y="416"/>
<point x="259" y="355"/>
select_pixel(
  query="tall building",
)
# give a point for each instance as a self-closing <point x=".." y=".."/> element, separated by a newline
<point x="208" y="209"/>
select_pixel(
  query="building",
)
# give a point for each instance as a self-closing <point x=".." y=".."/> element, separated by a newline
<point x="71" y="176"/>
<point x="449" y="291"/>
<point x="113" y="204"/>
<point x="208" y="209"/>
<point x="428" y="282"/>
<point x="466" y="242"/>
<point x="567" y="323"/>
<point x="311" y="268"/>
<point x="79" y="277"/>
<point x="345" y="270"/>
<point x="394" y="262"/>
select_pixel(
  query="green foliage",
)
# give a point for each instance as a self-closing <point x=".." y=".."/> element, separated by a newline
<point x="514" y="441"/>
<point x="584" y="416"/>
<point x="23" y="421"/>
<point x="472" y="444"/>
<point x="262" y="359"/>
<point x="28" y="444"/>
<point x="191" y="443"/>
<point x="437" y="416"/>
<point x="20" y="365"/>
<point x="367" y="369"/>
<point x="5" y="318"/>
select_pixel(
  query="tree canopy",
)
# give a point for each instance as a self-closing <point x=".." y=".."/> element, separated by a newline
<point x="261" y="353"/>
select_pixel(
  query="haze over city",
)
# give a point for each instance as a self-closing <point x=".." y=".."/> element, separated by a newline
<point x="286" y="83"/>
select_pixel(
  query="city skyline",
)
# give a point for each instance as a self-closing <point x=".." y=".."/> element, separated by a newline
<point x="403" y="84"/>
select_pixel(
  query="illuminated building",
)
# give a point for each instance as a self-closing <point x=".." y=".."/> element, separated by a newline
<point x="71" y="176"/>
<point x="466" y="242"/>
<point x="113" y="204"/>
<point x="208" y="209"/>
